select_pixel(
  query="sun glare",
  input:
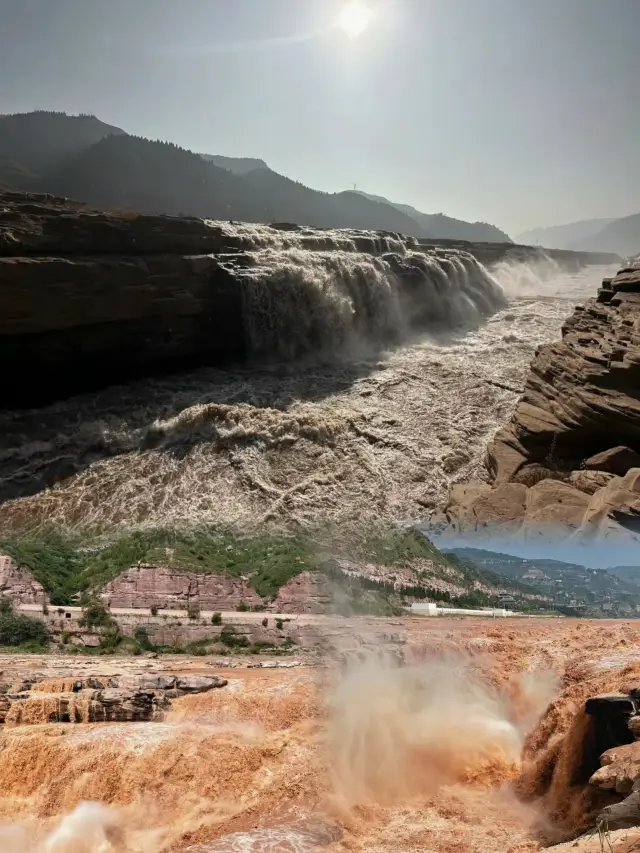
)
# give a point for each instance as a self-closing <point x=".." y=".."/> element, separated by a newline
<point x="355" y="18"/>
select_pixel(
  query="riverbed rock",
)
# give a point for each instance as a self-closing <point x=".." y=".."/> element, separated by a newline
<point x="110" y="705"/>
<point x="135" y="295"/>
<point x="617" y="460"/>
<point x="177" y="685"/>
<point x="122" y="699"/>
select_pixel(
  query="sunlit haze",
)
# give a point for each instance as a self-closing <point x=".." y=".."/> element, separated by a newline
<point x="355" y="18"/>
<point x="513" y="112"/>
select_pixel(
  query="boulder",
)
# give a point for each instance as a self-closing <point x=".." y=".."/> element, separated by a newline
<point x="617" y="460"/>
<point x="620" y="768"/>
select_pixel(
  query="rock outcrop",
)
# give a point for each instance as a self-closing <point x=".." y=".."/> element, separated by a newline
<point x="128" y="699"/>
<point x="146" y="586"/>
<point x="19" y="585"/>
<point x="309" y="592"/>
<point x="569" y="460"/>
<point x="170" y="589"/>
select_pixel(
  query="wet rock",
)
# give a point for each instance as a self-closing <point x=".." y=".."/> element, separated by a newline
<point x="177" y="685"/>
<point x="88" y="706"/>
<point x="621" y="815"/>
<point x="133" y="698"/>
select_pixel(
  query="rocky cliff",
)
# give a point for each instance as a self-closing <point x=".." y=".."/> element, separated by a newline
<point x="90" y="299"/>
<point x="147" y="586"/>
<point x="162" y="587"/>
<point x="19" y="585"/>
<point x="570" y="457"/>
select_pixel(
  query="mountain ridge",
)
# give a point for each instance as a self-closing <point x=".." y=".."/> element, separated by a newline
<point x="570" y="584"/>
<point x="441" y="226"/>
<point x="85" y="158"/>
<point x="620" y="235"/>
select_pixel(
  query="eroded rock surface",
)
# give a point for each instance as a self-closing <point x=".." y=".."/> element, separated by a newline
<point x="18" y="584"/>
<point x="131" y="699"/>
<point x="569" y="460"/>
<point x="145" y="586"/>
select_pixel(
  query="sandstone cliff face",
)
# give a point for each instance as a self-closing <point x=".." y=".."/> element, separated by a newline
<point x="162" y="587"/>
<point x="19" y="585"/>
<point x="309" y="592"/>
<point x="146" y="586"/>
<point x="570" y="457"/>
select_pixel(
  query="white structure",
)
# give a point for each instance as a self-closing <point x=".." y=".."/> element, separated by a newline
<point x="431" y="609"/>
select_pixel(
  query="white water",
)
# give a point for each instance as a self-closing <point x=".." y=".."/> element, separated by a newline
<point x="370" y="436"/>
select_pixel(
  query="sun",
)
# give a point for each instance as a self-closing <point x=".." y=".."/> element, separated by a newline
<point x="355" y="18"/>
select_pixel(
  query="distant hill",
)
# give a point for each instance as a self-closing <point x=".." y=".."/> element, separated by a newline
<point x="285" y="200"/>
<point x="81" y="157"/>
<point x="562" y="236"/>
<point x="237" y="165"/>
<point x="631" y="574"/>
<point x="160" y="177"/>
<point x="94" y="162"/>
<point x="621" y="236"/>
<point x="41" y="141"/>
<point x="441" y="227"/>
<point x="151" y="177"/>
<point x="603" y="592"/>
<point x="13" y="176"/>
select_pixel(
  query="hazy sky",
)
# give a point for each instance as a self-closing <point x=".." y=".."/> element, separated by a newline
<point x="518" y="112"/>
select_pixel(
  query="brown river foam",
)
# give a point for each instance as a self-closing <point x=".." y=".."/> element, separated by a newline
<point x="443" y="755"/>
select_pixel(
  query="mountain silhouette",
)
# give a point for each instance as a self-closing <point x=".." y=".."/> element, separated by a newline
<point x="621" y="236"/>
<point x="442" y="227"/>
<point x="83" y="158"/>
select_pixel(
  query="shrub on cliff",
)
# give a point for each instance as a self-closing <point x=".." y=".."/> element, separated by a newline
<point x="95" y="615"/>
<point x="16" y="629"/>
<point x="230" y="638"/>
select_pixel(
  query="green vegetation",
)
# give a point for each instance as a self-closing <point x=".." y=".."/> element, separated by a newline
<point x="18" y="631"/>
<point x="230" y="638"/>
<point x="71" y="567"/>
<point x="68" y="566"/>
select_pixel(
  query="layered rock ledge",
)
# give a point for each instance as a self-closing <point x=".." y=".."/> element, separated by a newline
<point x="132" y="698"/>
<point x="569" y="460"/>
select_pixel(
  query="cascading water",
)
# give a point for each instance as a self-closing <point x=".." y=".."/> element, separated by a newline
<point x="379" y="371"/>
<point x="298" y="302"/>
